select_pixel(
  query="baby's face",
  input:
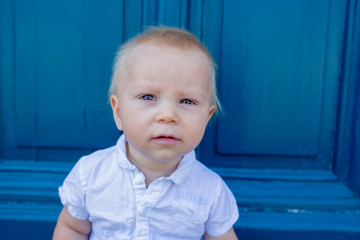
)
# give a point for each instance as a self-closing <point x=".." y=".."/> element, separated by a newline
<point x="164" y="101"/>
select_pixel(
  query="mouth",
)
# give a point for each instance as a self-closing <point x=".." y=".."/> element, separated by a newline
<point x="166" y="139"/>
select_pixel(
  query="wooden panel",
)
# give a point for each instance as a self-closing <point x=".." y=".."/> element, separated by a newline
<point x="348" y="154"/>
<point x="272" y="77"/>
<point x="7" y="77"/>
<point x="65" y="55"/>
<point x="132" y="17"/>
<point x="172" y="13"/>
<point x="279" y="84"/>
<point x="48" y="68"/>
<point x="354" y="166"/>
<point x="102" y="33"/>
<point x="195" y="18"/>
<point x="59" y="72"/>
<point x="25" y="84"/>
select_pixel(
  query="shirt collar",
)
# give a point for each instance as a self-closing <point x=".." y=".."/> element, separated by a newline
<point x="178" y="177"/>
<point x="121" y="154"/>
<point x="184" y="168"/>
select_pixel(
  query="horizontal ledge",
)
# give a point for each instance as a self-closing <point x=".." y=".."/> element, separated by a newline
<point x="299" y="221"/>
<point x="276" y="174"/>
<point x="30" y="211"/>
<point x="35" y="166"/>
<point x="255" y="190"/>
<point x="273" y="174"/>
<point x="247" y="220"/>
<point x="302" y="196"/>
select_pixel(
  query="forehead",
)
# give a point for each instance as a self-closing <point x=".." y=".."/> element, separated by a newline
<point x="167" y="65"/>
<point x="158" y="59"/>
<point x="148" y="49"/>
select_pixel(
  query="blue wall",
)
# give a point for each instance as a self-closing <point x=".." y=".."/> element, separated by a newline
<point x="287" y="142"/>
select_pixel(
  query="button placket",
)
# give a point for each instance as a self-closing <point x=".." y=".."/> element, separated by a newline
<point x="145" y="206"/>
<point x="139" y="178"/>
<point x="143" y="211"/>
<point x="142" y="214"/>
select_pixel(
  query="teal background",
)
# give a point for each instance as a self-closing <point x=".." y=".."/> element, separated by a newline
<point x="287" y="142"/>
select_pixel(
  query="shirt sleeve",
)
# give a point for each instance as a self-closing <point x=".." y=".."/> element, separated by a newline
<point x="72" y="192"/>
<point x="224" y="212"/>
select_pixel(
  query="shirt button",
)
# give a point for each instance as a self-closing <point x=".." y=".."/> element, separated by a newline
<point x="143" y="211"/>
<point x="139" y="178"/>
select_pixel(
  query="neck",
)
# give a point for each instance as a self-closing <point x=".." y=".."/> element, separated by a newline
<point x="151" y="169"/>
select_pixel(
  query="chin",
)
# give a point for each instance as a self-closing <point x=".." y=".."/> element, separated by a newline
<point x="167" y="159"/>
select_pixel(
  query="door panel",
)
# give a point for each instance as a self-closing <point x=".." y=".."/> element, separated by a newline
<point x="63" y="61"/>
<point x="272" y="77"/>
<point x="279" y="83"/>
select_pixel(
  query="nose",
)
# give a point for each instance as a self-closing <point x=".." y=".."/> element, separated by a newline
<point x="167" y="114"/>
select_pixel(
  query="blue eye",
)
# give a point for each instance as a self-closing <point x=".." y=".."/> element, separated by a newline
<point x="148" y="98"/>
<point x="187" y="101"/>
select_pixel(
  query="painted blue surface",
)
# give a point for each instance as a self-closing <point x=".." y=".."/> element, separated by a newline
<point x="63" y="69"/>
<point x="273" y="76"/>
<point x="354" y="106"/>
<point x="287" y="142"/>
<point x="279" y="83"/>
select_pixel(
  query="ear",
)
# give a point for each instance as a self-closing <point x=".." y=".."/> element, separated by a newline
<point x="211" y="111"/>
<point x="115" y="108"/>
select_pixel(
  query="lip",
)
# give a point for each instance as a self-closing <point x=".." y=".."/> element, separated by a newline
<point x="166" y="139"/>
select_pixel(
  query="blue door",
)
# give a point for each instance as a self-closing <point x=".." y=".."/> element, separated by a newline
<point x="279" y="83"/>
<point x="286" y="142"/>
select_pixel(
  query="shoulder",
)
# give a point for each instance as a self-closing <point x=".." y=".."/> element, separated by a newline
<point x="97" y="162"/>
<point x="205" y="181"/>
<point x="98" y="157"/>
<point x="223" y="211"/>
<point x="205" y="174"/>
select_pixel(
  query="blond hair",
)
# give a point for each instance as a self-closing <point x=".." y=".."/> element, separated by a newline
<point x="166" y="36"/>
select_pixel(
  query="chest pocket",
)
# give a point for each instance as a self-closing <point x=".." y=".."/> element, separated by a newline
<point x="188" y="208"/>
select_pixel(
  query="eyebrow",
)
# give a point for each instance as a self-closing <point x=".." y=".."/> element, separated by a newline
<point x="146" y="87"/>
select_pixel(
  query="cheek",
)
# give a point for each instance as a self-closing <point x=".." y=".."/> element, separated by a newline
<point x="133" y="118"/>
<point x="196" y="127"/>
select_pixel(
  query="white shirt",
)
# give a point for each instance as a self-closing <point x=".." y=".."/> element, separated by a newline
<point x="110" y="192"/>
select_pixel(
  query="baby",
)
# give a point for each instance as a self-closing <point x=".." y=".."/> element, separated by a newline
<point x="150" y="185"/>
